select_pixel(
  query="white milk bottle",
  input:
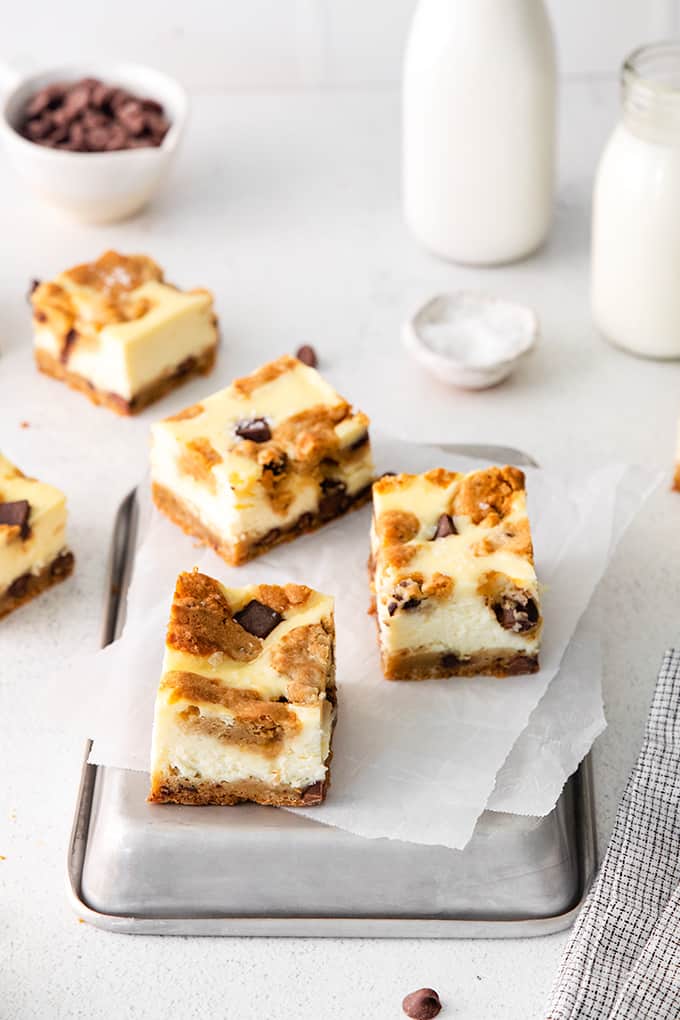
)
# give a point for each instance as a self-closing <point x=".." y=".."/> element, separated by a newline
<point x="479" y="128"/>
<point x="636" y="211"/>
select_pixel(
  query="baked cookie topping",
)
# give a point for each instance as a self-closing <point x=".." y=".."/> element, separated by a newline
<point x="246" y="704"/>
<point x="275" y="454"/>
<point x="453" y="574"/>
<point x="33" y="552"/>
<point x="117" y="331"/>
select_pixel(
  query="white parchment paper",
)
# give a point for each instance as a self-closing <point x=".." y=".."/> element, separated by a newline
<point x="416" y="762"/>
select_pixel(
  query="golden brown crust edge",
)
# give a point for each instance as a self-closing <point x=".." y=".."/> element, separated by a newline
<point x="201" y="365"/>
<point x="676" y="479"/>
<point x="241" y="552"/>
<point x="498" y="662"/>
<point x="171" y="789"/>
<point x="35" y="584"/>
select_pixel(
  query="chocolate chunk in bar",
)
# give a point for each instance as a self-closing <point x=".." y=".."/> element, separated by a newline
<point x="16" y="514"/>
<point x="255" y="429"/>
<point x="69" y="341"/>
<point x="307" y="355"/>
<point x="334" y="499"/>
<point x="424" y="1004"/>
<point x="313" y="794"/>
<point x="258" y="619"/>
<point x="445" y="527"/>
<point x="358" y="443"/>
<point x="518" y="613"/>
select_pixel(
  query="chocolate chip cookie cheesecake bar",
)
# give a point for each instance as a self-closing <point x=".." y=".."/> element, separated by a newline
<point x="453" y="575"/>
<point x="33" y="552"/>
<point x="246" y="705"/>
<point x="275" y="454"/>
<point x="116" y="331"/>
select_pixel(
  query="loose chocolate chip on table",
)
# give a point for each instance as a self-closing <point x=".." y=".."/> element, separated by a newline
<point x="334" y="499"/>
<point x="422" y="1005"/>
<point x="255" y="429"/>
<point x="16" y="514"/>
<point x="307" y="355"/>
<point x="445" y="527"/>
<point x="518" y="613"/>
<point x="258" y="619"/>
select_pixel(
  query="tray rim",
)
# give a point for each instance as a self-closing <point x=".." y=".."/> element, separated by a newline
<point x="120" y="570"/>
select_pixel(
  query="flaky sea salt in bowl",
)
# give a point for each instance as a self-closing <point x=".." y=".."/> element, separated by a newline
<point x="471" y="340"/>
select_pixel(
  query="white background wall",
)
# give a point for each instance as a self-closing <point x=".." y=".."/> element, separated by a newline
<point x="216" y="45"/>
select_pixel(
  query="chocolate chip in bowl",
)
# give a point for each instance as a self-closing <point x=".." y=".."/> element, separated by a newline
<point x="90" y="115"/>
<point x="94" y="141"/>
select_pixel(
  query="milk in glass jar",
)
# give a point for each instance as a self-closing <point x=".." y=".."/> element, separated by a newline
<point x="635" y="277"/>
<point x="479" y="128"/>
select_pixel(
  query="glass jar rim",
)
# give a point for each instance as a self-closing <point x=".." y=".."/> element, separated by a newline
<point x="656" y="67"/>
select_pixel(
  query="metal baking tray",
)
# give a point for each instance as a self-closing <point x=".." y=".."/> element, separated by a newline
<point x="252" y="870"/>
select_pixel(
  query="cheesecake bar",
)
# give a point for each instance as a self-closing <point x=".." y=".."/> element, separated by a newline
<point x="273" y="455"/>
<point x="453" y="576"/>
<point x="245" y="709"/>
<point x="116" y="331"/>
<point x="33" y="552"/>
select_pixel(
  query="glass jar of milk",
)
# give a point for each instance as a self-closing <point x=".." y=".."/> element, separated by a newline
<point x="636" y="211"/>
<point x="479" y="128"/>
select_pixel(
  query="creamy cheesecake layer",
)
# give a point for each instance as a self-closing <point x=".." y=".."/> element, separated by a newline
<point x="453" y="565"/>
<point x="126" y="357"/>
<point x="120" y="326"/>
<point x="307" y="441"/>
<point x="300" y="762"/>
<point x="247" y="694"/>
<point x="46" y="524"/>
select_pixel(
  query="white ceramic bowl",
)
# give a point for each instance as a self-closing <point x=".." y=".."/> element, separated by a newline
<point x="469" y="339"/>
<point x="97" y="187"/>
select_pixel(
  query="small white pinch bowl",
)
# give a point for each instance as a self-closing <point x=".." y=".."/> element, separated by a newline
<point x="95" y="187"/>
<point x="470" y="339"/>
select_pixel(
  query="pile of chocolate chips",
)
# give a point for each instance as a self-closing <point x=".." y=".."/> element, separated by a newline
<point x="89" y="116"/>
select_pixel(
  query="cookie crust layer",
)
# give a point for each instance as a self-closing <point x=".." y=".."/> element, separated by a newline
<point x="240" y="552"/>
<point x="172" y="789"/>
<point x="439" y="665"/>
<point x="25" y="588"/>
<point x="192" y="366"/>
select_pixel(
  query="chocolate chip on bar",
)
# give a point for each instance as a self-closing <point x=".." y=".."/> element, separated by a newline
<point x="90" y="116"/>
<point x="445" y="527"/>
<point x="258" y="619"/>
<point x="307" y="355"/>
<point x="518" y="613"/>
<point x="16" y="515"/>
<point x="255" y="429"/>
<point x="334" y="499"/>
<point x="422" y="1005"/>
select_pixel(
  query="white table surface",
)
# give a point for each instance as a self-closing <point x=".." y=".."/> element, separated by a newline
<point x="287" y="206"/>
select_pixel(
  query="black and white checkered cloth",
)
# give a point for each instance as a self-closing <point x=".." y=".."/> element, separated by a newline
<point x="623" y="958"/>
